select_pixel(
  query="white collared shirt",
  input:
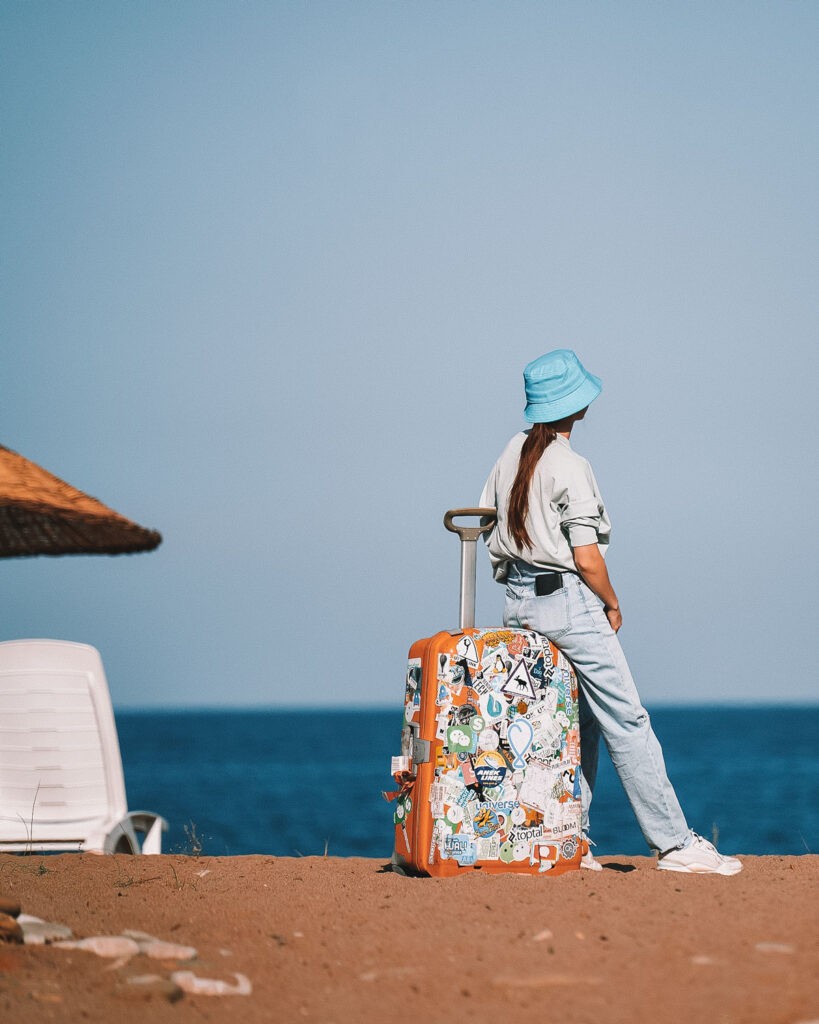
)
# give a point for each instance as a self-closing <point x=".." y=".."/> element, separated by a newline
<point x="565" y="508"/>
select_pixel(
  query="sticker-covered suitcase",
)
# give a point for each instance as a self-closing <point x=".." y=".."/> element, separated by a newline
<point x="489" y="769"/>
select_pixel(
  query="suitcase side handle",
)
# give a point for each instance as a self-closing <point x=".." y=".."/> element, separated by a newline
<point x="469" y="537"/>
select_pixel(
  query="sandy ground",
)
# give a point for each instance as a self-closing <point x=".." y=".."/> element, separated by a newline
<point x="345" y="940"/>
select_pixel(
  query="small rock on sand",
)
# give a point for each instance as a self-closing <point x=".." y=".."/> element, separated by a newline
<point x="10" y="930"/>
<point x="775" y="947"/>
<point x="157" y="949"/>
<point x="168" y="951"/>
<point x="196" y="986"/>
<point x="104" y="945"/>
<point x="37" y="932"/>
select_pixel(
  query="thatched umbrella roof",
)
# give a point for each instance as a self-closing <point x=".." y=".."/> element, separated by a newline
<point x="42" y="515"/>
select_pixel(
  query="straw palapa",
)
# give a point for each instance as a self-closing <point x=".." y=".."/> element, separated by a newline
<point x="43" y="515"/>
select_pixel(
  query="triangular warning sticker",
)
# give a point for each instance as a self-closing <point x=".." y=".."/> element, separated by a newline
<point x="519" y="683"/>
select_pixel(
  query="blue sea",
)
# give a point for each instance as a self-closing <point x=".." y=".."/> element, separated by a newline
<point x="292" y="783"/>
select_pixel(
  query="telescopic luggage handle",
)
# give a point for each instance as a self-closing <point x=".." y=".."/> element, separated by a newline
<point x="469" y="550"/>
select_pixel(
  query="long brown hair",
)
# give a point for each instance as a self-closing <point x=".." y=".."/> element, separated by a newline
<point x="540" y="437"/>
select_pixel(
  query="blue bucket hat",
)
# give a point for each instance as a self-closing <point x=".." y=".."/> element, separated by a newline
<point x="558" y="385"/>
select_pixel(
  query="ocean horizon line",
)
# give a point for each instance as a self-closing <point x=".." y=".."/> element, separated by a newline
<point x="396" y="707"/>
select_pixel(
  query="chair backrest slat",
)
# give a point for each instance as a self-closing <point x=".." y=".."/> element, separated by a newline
<point x="60" y="764"/>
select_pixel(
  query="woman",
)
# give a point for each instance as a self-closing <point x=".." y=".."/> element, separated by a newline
<point x="547" y="547"/>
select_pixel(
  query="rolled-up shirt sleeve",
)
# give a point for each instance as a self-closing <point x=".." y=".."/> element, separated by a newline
<point x="580" y="507"/>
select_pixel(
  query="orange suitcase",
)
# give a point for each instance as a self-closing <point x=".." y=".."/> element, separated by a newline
<point x="489" y="769"/>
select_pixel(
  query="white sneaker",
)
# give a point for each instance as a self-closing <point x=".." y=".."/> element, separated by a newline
<point x="587" y="861"/>
<point x="699" y="858"/>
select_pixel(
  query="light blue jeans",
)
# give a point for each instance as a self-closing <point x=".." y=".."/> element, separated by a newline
<point x="609" y="705"/>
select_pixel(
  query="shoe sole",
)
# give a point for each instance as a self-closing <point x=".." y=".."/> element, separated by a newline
<point x="591" y="867"/>
<point x="691" y="869"/>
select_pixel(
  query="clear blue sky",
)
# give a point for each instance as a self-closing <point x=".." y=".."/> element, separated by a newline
<point x="271" y="272"/>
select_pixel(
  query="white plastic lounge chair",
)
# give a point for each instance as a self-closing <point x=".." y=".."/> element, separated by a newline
<point x="61" y="781"/>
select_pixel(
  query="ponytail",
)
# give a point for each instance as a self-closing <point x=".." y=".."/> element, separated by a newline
<point x="540" y="437"/>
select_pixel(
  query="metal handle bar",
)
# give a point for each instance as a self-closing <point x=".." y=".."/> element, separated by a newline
<point x="469" y="537"/>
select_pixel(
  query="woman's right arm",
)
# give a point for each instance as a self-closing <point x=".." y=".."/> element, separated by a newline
<point x="592" y="567"/>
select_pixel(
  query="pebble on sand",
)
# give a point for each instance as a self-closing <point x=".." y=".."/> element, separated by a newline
<point x="10" y="930"/>
<point x="196" y="986"/>
<point x="775" y="947"/>
<point x="103" y="945"/>
<point x="158" y="949"/>
<point x="37" y="932"/>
